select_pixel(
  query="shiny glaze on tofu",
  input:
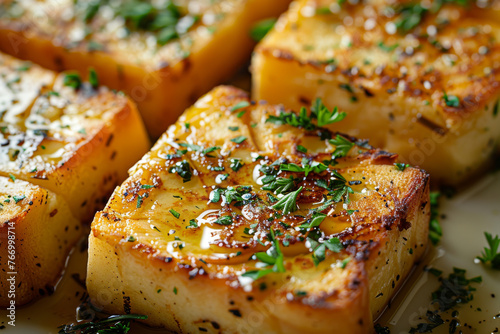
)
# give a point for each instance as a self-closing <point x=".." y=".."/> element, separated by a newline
<point x="62" y="151"/>
<point x="196" y="237"/>
<point x="418" y="78"/>
<point x="77" y="143"/>
<point x="37" y="230"/>
<point x="164" y="56"/>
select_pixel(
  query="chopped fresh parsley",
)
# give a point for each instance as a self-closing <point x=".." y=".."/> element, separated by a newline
<point x="451" y="100"/>
<point x="72" y="80"/>
<point x="240" y="105"/>
<point x="174" y="213"/>
<point x="131" y="238"/>
<point x="279" y="185"/>
<point x="491" y="256"/>
<point x="288" y="203"/>
<point x="192" y="224"/>
<point x="261" y="28"/>
<point x="338" y="189"/>
<point x="12" y="177"/>
<point x="319" y="249"/>
<point x="115" y="324"/>
<point x="224" y="220"/>
<point x="301" y="148"/>
<point x="316" y="220"/>
<point x="234" y="128"/>
<point x="319" y="112"/>
<point x="453" y="291"/>
<point x="239" y="139"/>
<point x="93" y="79"/>
<point x="240" y="195"/>
<point x="17" y="199"/>
<point x="401" y="166"/>
<point x="325" y="116"/>
<point x="435" y="230"/>
<point x="387" y="48"/>
<point x="183" y="169"/>
<point x="272" y="257"/>
<point x="236" y="164"/>
<point x="306" y="168"/>
<point x="342" y="146"/>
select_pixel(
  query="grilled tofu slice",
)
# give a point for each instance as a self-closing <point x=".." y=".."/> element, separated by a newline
<point x="37" y="230"/>
<point x="417" y="78"/>
<point x="75" y="143"/>
<point x="163" y="56"/>
<point x="235" y="222"/>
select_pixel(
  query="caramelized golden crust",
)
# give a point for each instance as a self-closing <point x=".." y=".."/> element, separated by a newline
<point x="77" y="143"/>
<point x="427" y="73"/>
<point x="62" y="153"/>
<point x="162" y="79"/>
<point x="195" y="211"/>
<point x="37" y="230"/>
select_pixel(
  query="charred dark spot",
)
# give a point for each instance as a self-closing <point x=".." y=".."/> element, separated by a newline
<point x="431" y="125"/>
<point x="235" y="312"/>
<point x="126" y="304"/>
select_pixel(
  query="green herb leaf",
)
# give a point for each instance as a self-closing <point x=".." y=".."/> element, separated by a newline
<point x="18" y="198"/>
<point x="325" y="116"/>
<point x="451" y="100"/>
<point x="93" y="79"/>
<point x="261" y="28"/>
<point x="239" y="139"/>
<point x="115" y="324"/>
<point x="342" y="146"/>
<point x="491" y="256"/>
<point x="288" y="203"/>
<point x="240" y="105"/>
<point x="435" y="231"/>
<point x="183" y="169"/>
<point x="72" y="80"/>
<point x="174" y="213"/>
<point x="401" y="166"/>
<point x="224" y="220"/>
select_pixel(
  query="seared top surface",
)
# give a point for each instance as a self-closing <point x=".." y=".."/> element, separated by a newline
<point x="148" y="34"/>
<point x="43" y="122"/>
<point x="441" y="55"/>
<point x="204" y="196"/>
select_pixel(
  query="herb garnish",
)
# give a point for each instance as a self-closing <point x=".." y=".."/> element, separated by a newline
<point x="342" y="146"/>
<point x="451" y="100"/>
<point x="318" y="111"/>
<point x="224" y="220"/>
<point x="401" y="166"/>
<point x="93" y="79"/>
<point x="183" y="169"/>
<point x="435" y="231"/>
<point x="491" y="256"/>
<point x="288" y="203"/>
<point x="239" y="139"/>
<point x="319" y="249"/>
<point x="115" y="324"/>
<point x="72" y="80"/>
<point x="306" y="168"/>
<point x="261" y="28"/>
<point x="273" y="256"/>
<point x="174" y="213"/>
<point x="240" y="105"/>
<point x="454" y="290"/>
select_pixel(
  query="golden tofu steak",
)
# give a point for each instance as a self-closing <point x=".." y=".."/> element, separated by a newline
<point x="163" y="54"/>
<point x="71" y="142"/>
<point x="247" y="218"/>
<point x="420" y="78"/>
